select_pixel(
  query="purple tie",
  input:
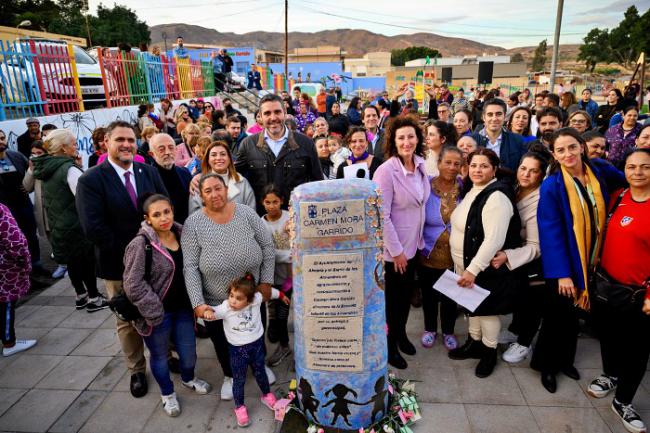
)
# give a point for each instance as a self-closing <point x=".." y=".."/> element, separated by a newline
<point x="130" y="189"/>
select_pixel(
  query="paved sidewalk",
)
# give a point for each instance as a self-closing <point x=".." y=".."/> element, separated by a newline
<point x="75" y="380"/>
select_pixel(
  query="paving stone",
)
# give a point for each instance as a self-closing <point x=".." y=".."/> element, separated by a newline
<point x="8" y="397"/>
<point x="110" y="375"/>
<point x="79" y="412"/>
<point x="61" y="287"/>
<point x="60" y="341"/>
<point x="83" y="319"/>
<point x="641" y="399"/>
<point x="588" y="354"/>
<point x="102" y="342"/>
<point x="205" y="348"/>
<point x="47" y="317"/>
<point x="27" y="370"/>
<point x="569" y="419"/>
<point x="109" y="323"/>
<point x="500" y="388"/>
<point x="486" y="418"/>
<point x="262" y="420"/>
<point x="120" y="412"/>
<point x="196" y="413"/>
<point x="48" y="404"/>
<point x="569" y="393"/>
<point x="62" y="301"/>
<point x="74" y="372"/>
<point x="443" y="418"/>
<point x="437" y="384"/>
<point x="25" y="311"/>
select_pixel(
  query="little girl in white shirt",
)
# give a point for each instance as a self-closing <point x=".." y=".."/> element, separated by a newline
<point x="242" y="325"/>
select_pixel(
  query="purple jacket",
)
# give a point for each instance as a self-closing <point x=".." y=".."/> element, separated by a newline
<point x="15" y="261"/>
<point x="147" y="296"/>
<point x="433" y="223"/>
<point x="618" y="144"/>
<point x="403" y="208"/>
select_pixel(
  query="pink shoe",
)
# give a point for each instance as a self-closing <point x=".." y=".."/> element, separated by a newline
<point x="428" y="339"/>
<point x="450" y="342"/>
<point x="242" y="416"/>
<point x="269" y="400"/>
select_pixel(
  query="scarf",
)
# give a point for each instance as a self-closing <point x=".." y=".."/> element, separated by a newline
<point x="582" y="229"/>
<point x="361" y="158"/>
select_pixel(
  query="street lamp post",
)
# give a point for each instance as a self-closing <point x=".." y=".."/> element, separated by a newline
<point x="556" y="43"/>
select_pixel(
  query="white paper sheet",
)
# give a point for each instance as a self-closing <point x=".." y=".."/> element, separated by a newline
<point x="350" y="171"/>
<point x="469" y="298"/>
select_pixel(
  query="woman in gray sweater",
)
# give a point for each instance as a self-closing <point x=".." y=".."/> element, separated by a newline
<point x="220" y="243"/>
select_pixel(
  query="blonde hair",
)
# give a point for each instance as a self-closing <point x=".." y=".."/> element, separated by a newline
<point x="149" y="130"/>
<point x="179" y="113"/>
<point x="56" y="140"/>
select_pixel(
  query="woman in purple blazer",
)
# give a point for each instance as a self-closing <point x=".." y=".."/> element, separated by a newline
<point x="405" y="188"/>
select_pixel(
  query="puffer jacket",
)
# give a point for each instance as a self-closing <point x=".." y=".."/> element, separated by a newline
<point x="147" y="296"/>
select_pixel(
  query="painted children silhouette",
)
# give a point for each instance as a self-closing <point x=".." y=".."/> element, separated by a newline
<point x="309" y="403"/>
<point x="340" y="407"/>
<point x="379" y="398"/>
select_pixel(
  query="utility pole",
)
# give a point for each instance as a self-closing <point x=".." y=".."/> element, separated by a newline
<point x="286" y="40"/>
<point x="556" y="43"/>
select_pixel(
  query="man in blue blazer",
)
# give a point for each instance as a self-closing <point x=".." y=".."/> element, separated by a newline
<point x="510" y="147"/>
<point x="107" y="203"/>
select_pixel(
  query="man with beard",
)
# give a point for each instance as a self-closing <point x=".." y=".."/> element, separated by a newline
<point x="277" y="155"/>
<point x="32" y="134"/>
<point x="180" y="52"/>
<point x="110" y="216"/>
<point x="507" y="145"/>
<point x="176" y="179"/>
<point x="549" y="120"/>
<point x="229" y="109"/>
<point x="375" y="135"/>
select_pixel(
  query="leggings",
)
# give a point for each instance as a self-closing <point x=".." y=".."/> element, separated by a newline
<point x="7" y="319"/>
<point x="240" y="358"/>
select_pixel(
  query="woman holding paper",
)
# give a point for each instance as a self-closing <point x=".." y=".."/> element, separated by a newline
<point x="483" y="223"/>
<point x="357" y="142"/>
<point x="405" y="188"/>
<point x="571" y="218"/>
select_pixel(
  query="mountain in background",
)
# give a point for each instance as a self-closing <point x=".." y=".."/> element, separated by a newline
<point x="354" y="42"/>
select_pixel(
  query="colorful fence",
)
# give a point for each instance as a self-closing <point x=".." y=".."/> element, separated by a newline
<point x="42" y="78"/>
<point x="38" y="78"/>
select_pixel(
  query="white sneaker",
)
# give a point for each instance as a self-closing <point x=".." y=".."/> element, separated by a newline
<point x="18" y="347"/>
<point x="507" y="337"/>
<point x="171" y="405"/>
<point x="515" y="353"/>
<point x="270" y="375"/>
<point x="226" y="389"/>
<point x="198" y="385"/>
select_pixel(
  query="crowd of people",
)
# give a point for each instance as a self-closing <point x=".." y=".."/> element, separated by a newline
<point x="525" y="196"/>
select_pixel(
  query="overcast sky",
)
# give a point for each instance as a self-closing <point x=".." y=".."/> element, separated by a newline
<point x="506" y="23"/>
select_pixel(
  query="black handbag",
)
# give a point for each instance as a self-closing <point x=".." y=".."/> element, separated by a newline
<point x="120" y="304"/>
<point x="616" y="295"/>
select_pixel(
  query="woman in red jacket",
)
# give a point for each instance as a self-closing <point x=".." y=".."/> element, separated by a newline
<point x="624" y="343"/>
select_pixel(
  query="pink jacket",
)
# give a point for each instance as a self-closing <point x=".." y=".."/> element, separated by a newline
<point x="403" y="206"/>
<point x="183" y="155"/>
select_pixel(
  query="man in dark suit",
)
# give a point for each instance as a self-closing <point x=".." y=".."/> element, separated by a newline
<point x="510" y="147"/>
<point x="107" y="203"/>
<point x="370" y="119"/>
<point x="176" y="179"/>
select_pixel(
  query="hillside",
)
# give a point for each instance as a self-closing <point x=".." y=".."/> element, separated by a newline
<point x="354" y="42"/>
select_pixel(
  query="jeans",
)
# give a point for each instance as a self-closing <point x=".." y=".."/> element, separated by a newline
<point x="240" y="358"/>
<point x="7" y="319"/>
<point x="180" y="327"/>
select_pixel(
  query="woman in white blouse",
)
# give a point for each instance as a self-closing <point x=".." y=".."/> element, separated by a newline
<point x="527" y="315"/>
<point x="483" y="223"/>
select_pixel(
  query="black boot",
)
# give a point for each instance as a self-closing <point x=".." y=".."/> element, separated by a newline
<point x="394" y="357"/>
<point x="405" y="346"/>
<point x="472" y="349"/>
<point x="487" y="363"/>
